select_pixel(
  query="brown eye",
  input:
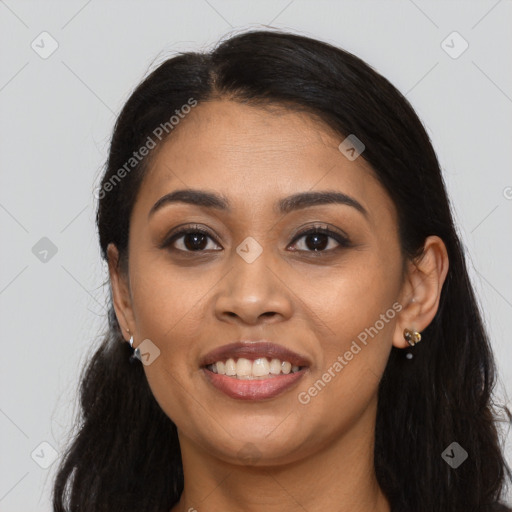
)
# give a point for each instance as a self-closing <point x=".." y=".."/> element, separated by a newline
<point x="193" y="240"/>
<point x="317" y="239"/>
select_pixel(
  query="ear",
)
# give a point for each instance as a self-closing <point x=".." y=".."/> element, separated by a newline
<point x="120" y="293"/>
<point x="421" y="290"/>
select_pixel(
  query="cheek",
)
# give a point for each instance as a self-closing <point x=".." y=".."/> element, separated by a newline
<point x="169" y="306"/>
<point x="168" y="300"/>
<point x="354" y="298"/>
<point x="359" y="315"/>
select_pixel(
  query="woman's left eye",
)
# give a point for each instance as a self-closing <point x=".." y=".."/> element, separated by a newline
<point x="318" y="238"/>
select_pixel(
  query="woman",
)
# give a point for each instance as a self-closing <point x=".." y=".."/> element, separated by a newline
<point x="292" y="326"/>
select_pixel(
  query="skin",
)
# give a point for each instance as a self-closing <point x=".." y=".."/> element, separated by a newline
<point x="316" y="456"/>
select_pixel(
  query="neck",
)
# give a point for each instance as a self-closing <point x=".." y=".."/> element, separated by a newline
<point x="339" y="477"/>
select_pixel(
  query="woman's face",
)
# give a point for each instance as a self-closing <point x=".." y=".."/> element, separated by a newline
<point x="256" y="276"/>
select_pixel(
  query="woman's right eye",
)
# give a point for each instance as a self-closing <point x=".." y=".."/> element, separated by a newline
<point x="190" y="240"/>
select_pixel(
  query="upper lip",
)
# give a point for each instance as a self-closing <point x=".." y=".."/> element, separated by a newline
<point x="253" y="350"/>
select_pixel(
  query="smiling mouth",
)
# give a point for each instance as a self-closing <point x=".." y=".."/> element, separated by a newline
<point x="257" y="369"/>
<point x="253" y="370"/>
<point x="252" y="386"/>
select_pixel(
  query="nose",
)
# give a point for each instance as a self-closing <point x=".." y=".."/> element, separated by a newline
<point x="253" y="293"/>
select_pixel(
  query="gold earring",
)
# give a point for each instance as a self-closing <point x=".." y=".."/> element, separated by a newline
<point x="412" y="337"/>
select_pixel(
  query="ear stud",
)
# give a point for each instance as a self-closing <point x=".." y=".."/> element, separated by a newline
<point x="412" y="337"/>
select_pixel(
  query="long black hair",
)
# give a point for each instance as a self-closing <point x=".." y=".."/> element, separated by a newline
<point x="126" y="455"/>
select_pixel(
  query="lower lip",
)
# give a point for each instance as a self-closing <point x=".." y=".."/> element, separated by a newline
<point x="257" y="389"/>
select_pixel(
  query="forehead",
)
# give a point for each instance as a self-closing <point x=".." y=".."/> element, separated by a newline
<point x="257" y="155"/>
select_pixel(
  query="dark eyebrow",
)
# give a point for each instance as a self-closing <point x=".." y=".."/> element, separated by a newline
<point x="194" y="197"/>
<point x="305" y="199"/>
<point x="285" y="205"/>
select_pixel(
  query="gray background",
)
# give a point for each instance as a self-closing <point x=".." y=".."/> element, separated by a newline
<point x="56" y="118"/>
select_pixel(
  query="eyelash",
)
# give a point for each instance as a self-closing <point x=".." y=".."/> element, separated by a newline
<point x="343" y="241"/>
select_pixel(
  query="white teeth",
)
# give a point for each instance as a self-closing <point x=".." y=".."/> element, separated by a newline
<point x="260" y="367"/>
<point x="230" y="367"/>
<point x="275" y="367"/>
<point x="243" y="368"/>
<point x="286" y="367"/>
